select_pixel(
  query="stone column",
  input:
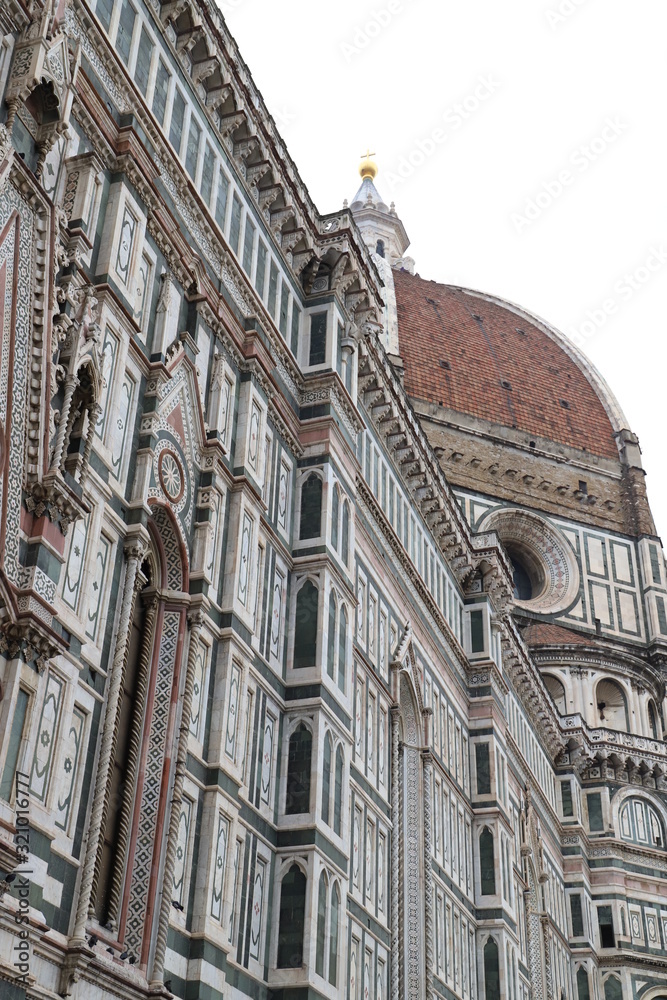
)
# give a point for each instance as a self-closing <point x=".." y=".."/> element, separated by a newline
<point x="196" y="621"/>
<point x="132" y="760"/>
<point x="134" y="554"/>
<point x="70" y="386"/>
<point x="93" y="416"/>
<point x="395" y="852"/>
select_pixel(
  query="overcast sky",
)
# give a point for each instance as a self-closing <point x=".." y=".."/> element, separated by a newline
<point x="523" y="143"/>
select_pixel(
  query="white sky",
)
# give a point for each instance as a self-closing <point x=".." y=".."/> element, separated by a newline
<point x="557" y="73"/>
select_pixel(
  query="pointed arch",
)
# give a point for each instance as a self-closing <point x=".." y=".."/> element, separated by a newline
<point x="487" y="863"/>
<point x="297" y="798"/>
<point x="491" y="970"/>
<point x="291" y="918"/>
<point x="320" y="943"/>
<point x="305" y="625"/>
<point x="310" y="519"/>
<point x="583" y="984"/>
<point x="167" y="541"/>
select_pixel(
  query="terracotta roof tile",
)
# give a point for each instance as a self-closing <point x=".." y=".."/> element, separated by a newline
<point x="498" y="366"/>
<point x="545" y="634"/>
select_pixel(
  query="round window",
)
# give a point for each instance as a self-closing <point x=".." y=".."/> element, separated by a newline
<point x="545" y="573"/>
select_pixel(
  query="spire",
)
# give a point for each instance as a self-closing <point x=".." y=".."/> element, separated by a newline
<point x="380" y="226"/>
<point x="385" y="236"/>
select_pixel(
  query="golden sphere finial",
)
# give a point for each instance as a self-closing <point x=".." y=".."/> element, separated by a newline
<point x="368" y="167"/>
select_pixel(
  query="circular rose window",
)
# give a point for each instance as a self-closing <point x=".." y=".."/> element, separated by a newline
<point x="544" y="567"/>
<point x="172" y="479"/>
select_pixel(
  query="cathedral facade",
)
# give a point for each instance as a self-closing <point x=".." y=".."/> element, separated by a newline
<point x="333" y="620"/>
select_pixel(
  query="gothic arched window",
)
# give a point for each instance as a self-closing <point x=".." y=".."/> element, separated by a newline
<point x="298" y="771"/>
<point x="305" y="626"/>
<point x="292" y="914"/>
<point x="379" y="248"/>
<point x="491" y="970"/>
<point x="487" y="863"/>
<point x="613" y="989"/>
<point x="583" y="988"/>
<point x="311" y="507"/>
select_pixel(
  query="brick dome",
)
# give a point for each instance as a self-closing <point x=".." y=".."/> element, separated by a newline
<point x="479" y="356"/>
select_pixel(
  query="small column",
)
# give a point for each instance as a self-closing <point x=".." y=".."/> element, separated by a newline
<point x="132" y="758"/>
<point x="395" y="867"/>
<point x="134" y="554"/>
<point x="195" y="621"/>
<point x="70" y="386"/>
<point x="93" y="416"/>
<point x="428" y="872"/>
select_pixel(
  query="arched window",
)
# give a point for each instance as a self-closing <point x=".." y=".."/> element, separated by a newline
<point x="331" y="637"/>
<point x="612" y="709"/>
<point x="335" y="510"/>
<point x="321" y="925"/>
<point x="612" y="989"/>
<point x="298" y="771"/>
<point x="641" y="824"/>
<point x="292" y="913"/>
<point x="487" y="863"/>
<point x="653" y="720"/>
<point x="338" y="791"/>
<point x="342" y="646"/>
<point x="326" y="778"/>
<point x="311" y="507"/>
<point x="379" y="248"/>
<point x="491" y="971"/>
<point x="333" y="935"/>
<point x="583" y="988"/>
<point x="557" y="692"/>
<point x="345" y="534"/>
<point x="305" y="626"/>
